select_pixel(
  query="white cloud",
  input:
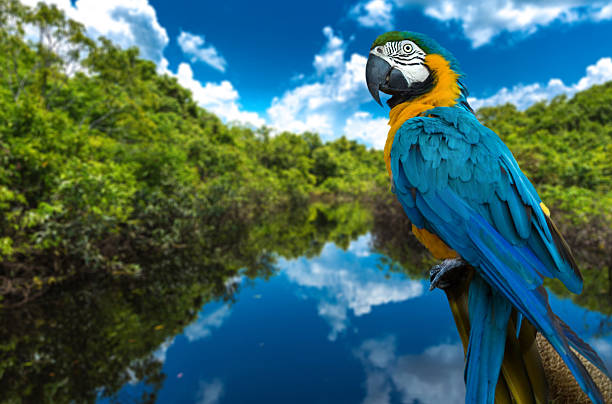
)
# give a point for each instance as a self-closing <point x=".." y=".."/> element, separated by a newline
<point x="134" y="23"/>
<point x="341" y="289"/>
<point x="125" y="22"/>
<point x="323" y="105"/>
<point x="296" y="110"/>
<point x="525" y="95"/>
<point x="205" y="324"/>
<point x="605" y="13"/>
<point x="332" y="56"/>
<point x="374" y="14"/>
<point x="193" y="45"/>
<point x="210" y="392"/>
<point x="363" y="127"/>
<point x="483" y="20"/>
<point x="434" y="376"/>
<point x="219" y="98"/>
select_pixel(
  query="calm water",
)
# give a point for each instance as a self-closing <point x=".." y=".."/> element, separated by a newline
<point x="336" y="328"/>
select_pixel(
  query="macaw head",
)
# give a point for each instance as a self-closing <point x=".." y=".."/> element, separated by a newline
<point x="406" y="65"/>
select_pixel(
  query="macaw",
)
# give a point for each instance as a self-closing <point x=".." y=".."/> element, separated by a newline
<point x="472" y="207"/>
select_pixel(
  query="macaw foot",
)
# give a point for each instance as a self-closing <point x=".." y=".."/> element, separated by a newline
<point x="447" y="273"/>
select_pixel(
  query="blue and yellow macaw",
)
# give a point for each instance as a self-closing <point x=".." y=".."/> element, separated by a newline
<point x="471" y="206"/>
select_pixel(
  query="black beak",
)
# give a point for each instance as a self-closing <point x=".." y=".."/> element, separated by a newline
<point x="380" y="76"/>
<point x="377" y="70"/>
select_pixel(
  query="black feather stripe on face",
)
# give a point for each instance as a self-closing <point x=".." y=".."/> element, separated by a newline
<point x="405" y="53"/>
<point x="415" y="90"/>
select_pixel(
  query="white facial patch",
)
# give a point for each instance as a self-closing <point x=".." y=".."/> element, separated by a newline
<point x="405" y="56"/>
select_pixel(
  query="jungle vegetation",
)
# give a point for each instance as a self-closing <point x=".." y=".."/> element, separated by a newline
<point x="103" y="161"/>
<point x="124" y="206"/>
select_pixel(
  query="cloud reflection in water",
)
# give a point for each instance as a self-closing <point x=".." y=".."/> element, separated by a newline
<point x="348" y="280"/>
<point x="434" y="376"/>
<point x="203" y="327"/>
<point x="210" y="392"/>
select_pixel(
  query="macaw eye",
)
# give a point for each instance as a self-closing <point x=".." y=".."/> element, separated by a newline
<point x="407" y="48"/>
<point x="379" y="50"/>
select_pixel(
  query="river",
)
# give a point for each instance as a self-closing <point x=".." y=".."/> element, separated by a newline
<point x="339" y="327"/>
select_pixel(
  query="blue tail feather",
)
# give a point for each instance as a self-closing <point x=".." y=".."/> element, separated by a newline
<point x="497" y="261"/>
<point x="532" y="303"/>
<point x="519" y="322"/>
<point x="489" y="314"/>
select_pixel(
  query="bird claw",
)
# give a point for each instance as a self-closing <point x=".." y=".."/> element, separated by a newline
<point x="444" y="275"/>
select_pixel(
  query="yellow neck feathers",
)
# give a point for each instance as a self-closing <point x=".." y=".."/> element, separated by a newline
<point x="444" y="94"/>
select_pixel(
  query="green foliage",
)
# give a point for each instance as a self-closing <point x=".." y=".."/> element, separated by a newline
<point x="104" y="160"/>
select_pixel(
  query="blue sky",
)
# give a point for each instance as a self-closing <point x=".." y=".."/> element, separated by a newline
<point x="300" y="65"/>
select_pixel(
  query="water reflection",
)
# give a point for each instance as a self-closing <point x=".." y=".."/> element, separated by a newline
<point x="604" y="348"/>
<point x="433" y="376"/>
<point x="210" y="392"/>
<point x="346" y="281"/>
<point x="334" y="328"/>
<point x="331" y="322"/>
<point x="206" y="323"/>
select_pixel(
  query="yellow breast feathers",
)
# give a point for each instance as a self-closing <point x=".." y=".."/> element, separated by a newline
<point x="444" y="94"/>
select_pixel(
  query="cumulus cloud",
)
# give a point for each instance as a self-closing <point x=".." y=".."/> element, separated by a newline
<point x="340" y="289"/>
<point x="433" y="376"/>
<point x="367" y="129"/>
<point x="482" y="21"/>
<point x="327" y="102"/>
<point x="605" y="13"/>
<point x="134" y="23"/>
<point x="126" y="22"/>
<point x="332" y="56"/>
<point x="193" y="45"/>
<point x="374" y="14"/>
<point x="219" y="98"/>
<point x="525" y="95"/>
<point x="324" y="104"/>
<point x="205" y="324"/>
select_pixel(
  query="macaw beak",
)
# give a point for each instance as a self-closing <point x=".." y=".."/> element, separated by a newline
<point x="381" y="76"/>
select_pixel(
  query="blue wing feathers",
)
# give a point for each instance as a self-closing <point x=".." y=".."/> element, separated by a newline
<point x="468" y="166"/>
<point x="404" y="195"/>
<point x="531" y="303"/>
<point x="502" y="220"/>
<point x="457" y="179"/>
<point x="519" y="214"/>
<point x="435" y="204"/>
